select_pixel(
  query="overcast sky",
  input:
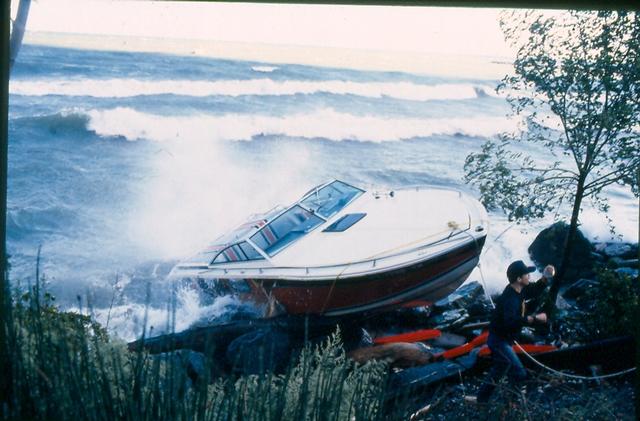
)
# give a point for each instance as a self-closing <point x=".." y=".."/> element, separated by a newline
<point x="424" y="29"/>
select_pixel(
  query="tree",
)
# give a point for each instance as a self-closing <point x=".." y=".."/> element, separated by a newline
<point x="576" y="89"/>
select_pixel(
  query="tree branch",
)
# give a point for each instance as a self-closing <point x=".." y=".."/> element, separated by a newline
<point x="610" y="178"/>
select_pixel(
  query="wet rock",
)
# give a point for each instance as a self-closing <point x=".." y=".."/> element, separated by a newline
<point x="622" y="250"/>
<point x="398" y="320"/>
<point x="527" y="335"/>
<point x="482" y="308"/>
<point x="548" y="248"/>
<point x="450" y="319"/>
<point x="193" y="363"/>
<point x="622" y="263"/>
<point x="476" y="328"/>
<point x="259" y="351"/>
<point x="632" y="273"/>
<point x="563" y="304"/>
<point x="432" y="373"/>
<point x="578" y="289"/>
<point x="353" y="338"/>
<point x="463" y="297"/>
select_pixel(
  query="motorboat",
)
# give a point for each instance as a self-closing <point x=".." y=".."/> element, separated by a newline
<point x="341" y="250"/>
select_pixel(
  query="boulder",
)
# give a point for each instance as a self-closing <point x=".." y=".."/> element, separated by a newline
<point x="259" y="351"/>
<point x="193" y="364"/>
<point x="548" y="246"/>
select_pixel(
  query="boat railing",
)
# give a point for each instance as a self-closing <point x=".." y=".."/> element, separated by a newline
<point x="374" y="262"/>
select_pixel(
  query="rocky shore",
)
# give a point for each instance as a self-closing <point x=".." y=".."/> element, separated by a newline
<point x="597" y="301"/>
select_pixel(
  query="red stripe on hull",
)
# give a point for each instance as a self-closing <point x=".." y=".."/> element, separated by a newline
<point x="300" y="297"/>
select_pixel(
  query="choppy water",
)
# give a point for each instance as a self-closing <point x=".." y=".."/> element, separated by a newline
<point x="122" y="163"/>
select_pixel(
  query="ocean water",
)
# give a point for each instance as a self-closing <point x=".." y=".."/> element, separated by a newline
<point x="122" y="163"/>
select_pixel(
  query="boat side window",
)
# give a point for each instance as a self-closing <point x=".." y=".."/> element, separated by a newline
<point x="250" y="252"/>
<point x="330" y="199"/>
<point x="285" y="229"/>
<point x="237" y="253"/>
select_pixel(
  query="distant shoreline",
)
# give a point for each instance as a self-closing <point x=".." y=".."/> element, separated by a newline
<point x="448" y="65"/>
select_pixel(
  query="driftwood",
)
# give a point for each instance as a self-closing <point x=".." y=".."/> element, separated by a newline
<point x="400" y="355"/>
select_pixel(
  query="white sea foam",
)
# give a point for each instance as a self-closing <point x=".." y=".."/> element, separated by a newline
<point x="324" y="123"/>
<point x="127" y="320"/>
<point x="264" y="69"/>
<point x="119" y="88"/>
<point x="508" y="241"/>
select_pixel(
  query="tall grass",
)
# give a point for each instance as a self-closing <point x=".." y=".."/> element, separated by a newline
<point x="64" y="366"/>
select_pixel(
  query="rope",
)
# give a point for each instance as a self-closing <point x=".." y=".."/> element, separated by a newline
<point x="574" y="376"/>
<point x="552" y="370"/>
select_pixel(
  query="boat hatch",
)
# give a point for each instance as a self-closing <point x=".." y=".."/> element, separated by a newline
<point x="345" y="222"/>
<point x="285" y="229"/>
<point x="330" y="199"/>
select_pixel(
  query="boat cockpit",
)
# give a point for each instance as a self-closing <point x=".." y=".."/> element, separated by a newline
<point x="264" y="238"/>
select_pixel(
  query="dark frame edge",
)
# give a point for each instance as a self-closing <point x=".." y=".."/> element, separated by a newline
<point x="5" y="299"/>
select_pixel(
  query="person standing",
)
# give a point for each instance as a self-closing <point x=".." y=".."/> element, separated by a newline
<point x="507" y="321"/>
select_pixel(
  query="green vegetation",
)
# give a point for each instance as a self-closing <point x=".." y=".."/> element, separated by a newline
<point x="616" y="306"/>
<point x="65" y="366"/>
<point x="576" y="87"/>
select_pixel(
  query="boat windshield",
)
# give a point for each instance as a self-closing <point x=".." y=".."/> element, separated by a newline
<point x="285" y="229"/>
<point x="330" y="199"/>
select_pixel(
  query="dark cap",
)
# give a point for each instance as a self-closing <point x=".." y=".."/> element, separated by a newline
<point x="518" y="268"/>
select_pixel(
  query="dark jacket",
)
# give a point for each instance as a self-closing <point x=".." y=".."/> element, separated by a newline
<point x="509" y="316"/>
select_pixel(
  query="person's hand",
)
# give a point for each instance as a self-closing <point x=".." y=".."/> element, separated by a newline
<point x="541" y="317"/>
<point x="549" y="271"/>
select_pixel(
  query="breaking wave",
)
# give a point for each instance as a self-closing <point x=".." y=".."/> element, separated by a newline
<point x="322" y="124"/>
<point x="119" y="88"/>
<point x="264" y="69"/>
<point x="127" y="320"/>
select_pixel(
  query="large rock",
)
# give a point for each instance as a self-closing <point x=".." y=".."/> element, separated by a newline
<point x="259" y="351"/>
<point x="193" y="364"/>
<point x="548" y="248"/>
